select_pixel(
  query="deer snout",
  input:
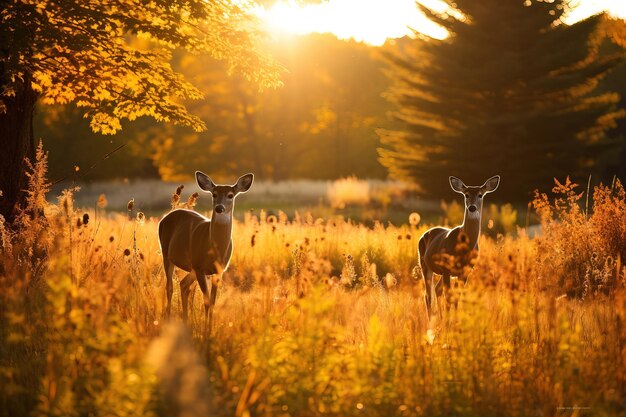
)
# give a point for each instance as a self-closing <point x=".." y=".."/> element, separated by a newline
<point x="472" y="208"/>
<point x="219" y="209"/>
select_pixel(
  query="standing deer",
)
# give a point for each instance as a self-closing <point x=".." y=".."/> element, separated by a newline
<point x="199" y="245"/>
<point x="452" y="252"/>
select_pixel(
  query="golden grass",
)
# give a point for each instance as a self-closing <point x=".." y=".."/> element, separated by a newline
<point x="315" y="318"/>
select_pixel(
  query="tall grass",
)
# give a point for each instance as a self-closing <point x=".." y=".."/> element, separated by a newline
<point x="317" y="317"/>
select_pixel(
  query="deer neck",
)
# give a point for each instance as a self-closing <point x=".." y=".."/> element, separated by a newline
<point x="221" y="232"/>
<point x="471" y="227"/>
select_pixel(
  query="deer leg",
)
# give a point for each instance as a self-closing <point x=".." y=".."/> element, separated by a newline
<point x="439" y="291"/>
<point x="458" y="289"/>
<point x="169" y="284"/>
<point x="215" y="280"/>
<point x="202" y="283"/>
<point x="428" y="288"/>
<point x="185" y="288"/>
<point x="446" y="289"/>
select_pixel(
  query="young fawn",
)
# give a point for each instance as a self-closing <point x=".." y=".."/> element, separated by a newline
<point x="452" y="252"/>
<point x="199" y="245"/>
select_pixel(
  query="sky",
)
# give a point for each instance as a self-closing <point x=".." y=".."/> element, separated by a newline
<point x="374" y="21"/>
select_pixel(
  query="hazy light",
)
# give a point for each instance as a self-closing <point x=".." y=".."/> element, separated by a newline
<point x="371" y="21"/>
<point x="375" y="21"/>
<point x="586" y="8"/>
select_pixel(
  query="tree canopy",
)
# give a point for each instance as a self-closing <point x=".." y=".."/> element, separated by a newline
<point x="111" y="58"/>
<point x="82" y="51"/>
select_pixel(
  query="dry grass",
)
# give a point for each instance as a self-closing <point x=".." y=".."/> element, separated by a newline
<point x="316" y="318"/>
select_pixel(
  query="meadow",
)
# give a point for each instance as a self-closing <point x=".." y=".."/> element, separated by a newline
<point x="315" y="317"/>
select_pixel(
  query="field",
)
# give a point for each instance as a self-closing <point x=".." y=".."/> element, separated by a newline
<point x="315" y="317"/>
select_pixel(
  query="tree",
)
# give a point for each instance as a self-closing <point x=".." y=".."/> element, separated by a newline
<point x="110" y="58"/>
<point x="318" y="125"/>
<point x="615" y="30"/>
<point x="509" y="92"/>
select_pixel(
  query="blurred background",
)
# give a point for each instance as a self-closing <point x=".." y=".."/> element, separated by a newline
<point x="381" y="102"/>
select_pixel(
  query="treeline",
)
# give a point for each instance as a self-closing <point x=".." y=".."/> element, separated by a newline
<point x="473" y="105"/>
<point x="321" y="124"/>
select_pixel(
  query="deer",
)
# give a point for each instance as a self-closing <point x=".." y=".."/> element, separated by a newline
<point x="453" y="252"/>
<point x="200" y="246"/>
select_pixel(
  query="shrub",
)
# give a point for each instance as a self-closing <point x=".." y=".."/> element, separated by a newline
<point x="348" y="191"/>
<point x="580" y="250"/>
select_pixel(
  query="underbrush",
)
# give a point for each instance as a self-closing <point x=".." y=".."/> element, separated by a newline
<point x="316" y="318"/>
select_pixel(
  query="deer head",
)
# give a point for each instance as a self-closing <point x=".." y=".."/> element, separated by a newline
<point x="224" y="195"/>
<point x="474" y="194"/>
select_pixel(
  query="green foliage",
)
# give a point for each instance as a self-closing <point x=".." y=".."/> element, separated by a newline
<point x="511" y="91"/>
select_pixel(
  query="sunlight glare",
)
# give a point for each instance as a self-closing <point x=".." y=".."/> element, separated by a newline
<point x="375" y="21"/>
<point x="370" y="21"/>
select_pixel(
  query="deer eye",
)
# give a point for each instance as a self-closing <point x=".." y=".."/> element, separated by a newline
<point x="231" y="195"/>
<point x="214" y="195"/>
<point x="480" y="196"/>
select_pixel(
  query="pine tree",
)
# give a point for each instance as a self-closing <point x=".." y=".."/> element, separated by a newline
<point x="509" y="92"/>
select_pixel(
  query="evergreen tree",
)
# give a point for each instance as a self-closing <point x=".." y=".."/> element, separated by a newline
<point x="509" y="92"/>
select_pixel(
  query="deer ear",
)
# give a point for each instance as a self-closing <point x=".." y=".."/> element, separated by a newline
<point x="244" y="183"/>
<point x="204" y="182"/>
<point x="457" y="185"/>
<point x="491" y="184"/>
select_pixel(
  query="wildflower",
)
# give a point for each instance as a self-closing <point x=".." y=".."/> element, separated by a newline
<point x="85" y="218"/>
<point x="102" y="201"/>
<point x="430" y="336"/>
<point x="192" y="200"/>
<point x="126" y="252"/>
<point x="131" y="204"/>
<point x="176" y="196"/>
<point x="414" y="219"/>
<point x="390" y="280"/>
<point x="141" y="218"/>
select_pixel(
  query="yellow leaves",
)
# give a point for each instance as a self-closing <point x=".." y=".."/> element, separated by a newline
<point x="325" y="118"/>
<point x="105" y="123"/>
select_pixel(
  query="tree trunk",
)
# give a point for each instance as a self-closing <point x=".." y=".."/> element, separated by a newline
<point x="16" y="143"/>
